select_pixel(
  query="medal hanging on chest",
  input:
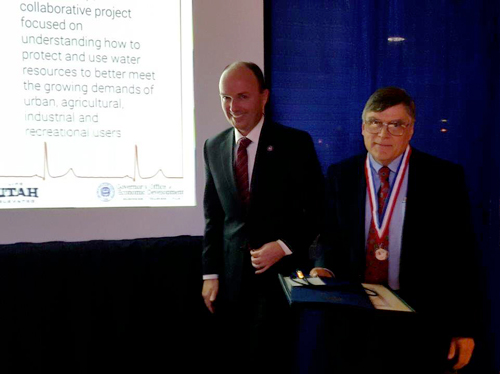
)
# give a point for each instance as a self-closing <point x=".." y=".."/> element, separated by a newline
<point x="382" y="222"/>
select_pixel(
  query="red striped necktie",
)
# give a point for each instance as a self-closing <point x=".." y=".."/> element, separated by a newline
<point x="241" y="170"/>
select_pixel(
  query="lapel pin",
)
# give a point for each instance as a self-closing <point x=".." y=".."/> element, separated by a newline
<point x="270" y="148"/>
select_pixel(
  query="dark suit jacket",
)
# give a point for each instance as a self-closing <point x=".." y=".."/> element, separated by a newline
<point x="436" y="272"/>
<point x="285" y="203"/>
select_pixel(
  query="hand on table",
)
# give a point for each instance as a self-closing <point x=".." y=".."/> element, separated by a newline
<point x="321" y="272"/>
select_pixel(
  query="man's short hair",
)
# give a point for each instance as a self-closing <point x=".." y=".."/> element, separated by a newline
<point x="257" y="72"/>
<point x="387" y="97"/>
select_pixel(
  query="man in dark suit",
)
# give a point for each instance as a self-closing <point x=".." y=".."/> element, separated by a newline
<point x="263" y="197"/>
<point x="415" y="237"/>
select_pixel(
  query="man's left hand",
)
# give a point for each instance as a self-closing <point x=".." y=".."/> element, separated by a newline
<point x="266" y="256"/>
<point x="462" y="349"/>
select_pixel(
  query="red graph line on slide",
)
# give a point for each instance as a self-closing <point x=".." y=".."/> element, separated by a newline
<point x="47" y="174"/>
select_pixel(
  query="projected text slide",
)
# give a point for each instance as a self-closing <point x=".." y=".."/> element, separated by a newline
<point x="97" y="104"/>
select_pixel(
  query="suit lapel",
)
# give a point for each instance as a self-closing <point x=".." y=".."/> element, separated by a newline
<point x="412" y="215"/>
<point x="227" y="160"/>
<point x="263" y="161"/>
<point x="259" y="162"/>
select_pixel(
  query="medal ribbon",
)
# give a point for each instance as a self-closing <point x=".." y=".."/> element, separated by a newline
<point x="382" y="223"/>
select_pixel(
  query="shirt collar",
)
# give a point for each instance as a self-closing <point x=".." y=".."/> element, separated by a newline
<point x="394" y="165"/>
<point x="253" y="135"/>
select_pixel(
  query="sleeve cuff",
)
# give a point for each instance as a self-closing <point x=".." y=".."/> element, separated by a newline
<point x="210" y="276"/>
<point x="284" y="247"/>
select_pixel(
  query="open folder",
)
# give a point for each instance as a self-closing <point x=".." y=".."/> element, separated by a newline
<point x="332" y="291"/>
<point x="384" y="298"/>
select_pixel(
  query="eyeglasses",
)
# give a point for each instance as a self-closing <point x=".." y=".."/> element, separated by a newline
<point x="396" y="128"/>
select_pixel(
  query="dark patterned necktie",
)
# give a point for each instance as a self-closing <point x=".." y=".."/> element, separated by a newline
<point x="377" y="269"/>
<point x="241" y="171"/>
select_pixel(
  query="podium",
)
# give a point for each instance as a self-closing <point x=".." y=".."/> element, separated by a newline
<point x="342" y="329"/>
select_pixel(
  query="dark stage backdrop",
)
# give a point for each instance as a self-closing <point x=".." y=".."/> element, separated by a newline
<point x="325" y="58"/>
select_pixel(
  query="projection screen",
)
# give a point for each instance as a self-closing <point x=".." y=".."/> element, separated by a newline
<point x="100" y="107"/>
<point x="223" y="31"/>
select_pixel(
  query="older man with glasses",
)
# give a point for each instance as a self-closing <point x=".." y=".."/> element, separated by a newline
<point x="400" y="217"/>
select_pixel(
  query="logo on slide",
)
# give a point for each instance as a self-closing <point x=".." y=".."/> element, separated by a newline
<point x="105" y="192"/>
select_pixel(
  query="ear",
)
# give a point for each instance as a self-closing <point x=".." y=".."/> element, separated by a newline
<point x="412" y="130"/>
<point x="265" y="97"/>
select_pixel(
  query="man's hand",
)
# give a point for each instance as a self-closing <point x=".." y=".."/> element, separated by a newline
<point x="209" y="293"/>
<point x="266" y="256"/>
<point x="321" y="272"/>
<point x="462" y="349"/>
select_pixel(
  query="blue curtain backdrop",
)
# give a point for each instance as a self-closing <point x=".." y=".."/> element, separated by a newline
<point x="324" y="58"/>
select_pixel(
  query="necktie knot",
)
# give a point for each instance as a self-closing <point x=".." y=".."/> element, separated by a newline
<point x="383" y="174"/>
<point x="244" y="143"/>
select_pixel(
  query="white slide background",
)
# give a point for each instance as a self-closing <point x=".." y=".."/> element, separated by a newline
<point x="98" y="104"/>
<point x="224" y="31"/>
